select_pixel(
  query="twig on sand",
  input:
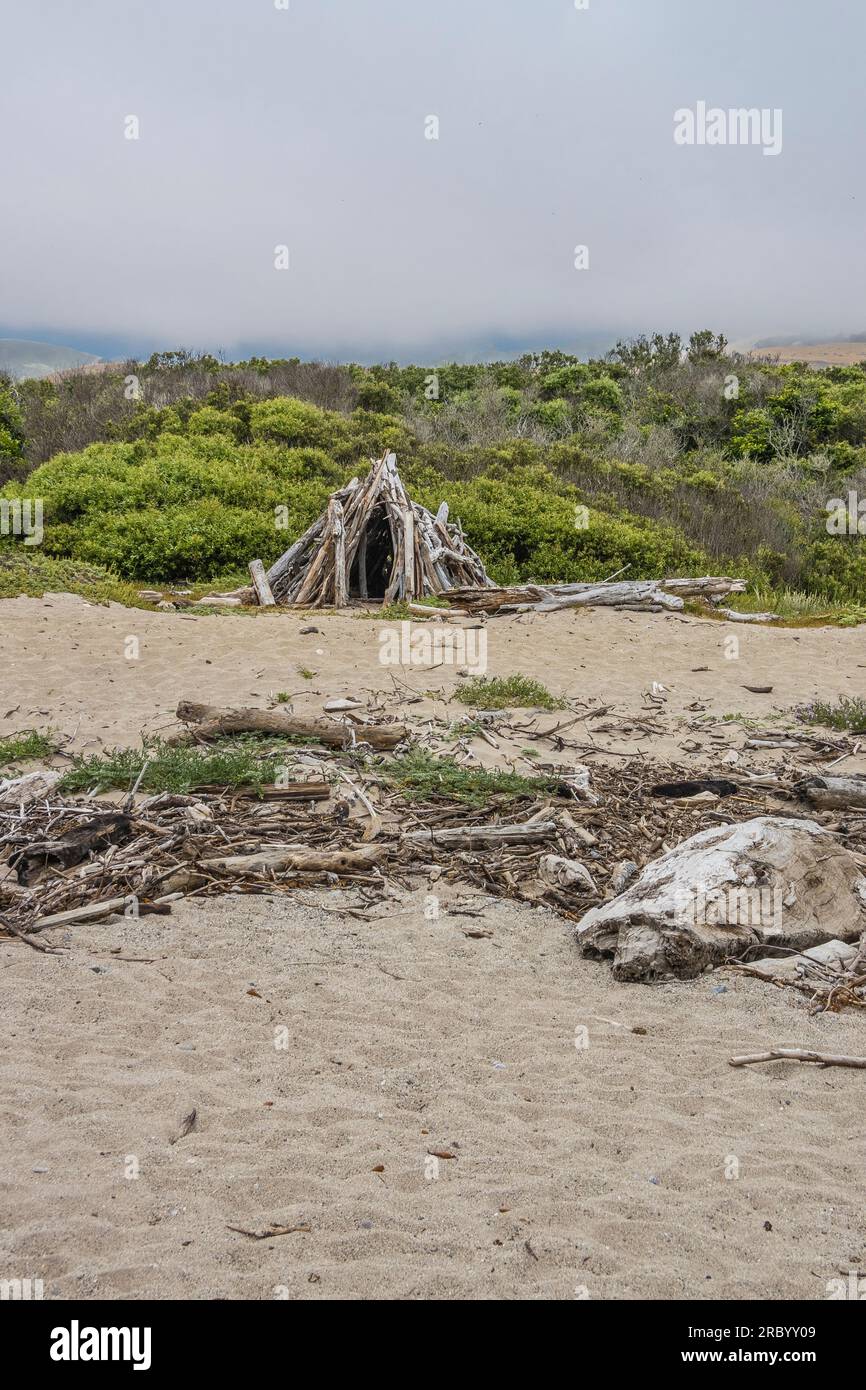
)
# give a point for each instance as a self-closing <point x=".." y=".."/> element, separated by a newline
<point x="798" y="1054"/>
<point x="271" y="1231"/>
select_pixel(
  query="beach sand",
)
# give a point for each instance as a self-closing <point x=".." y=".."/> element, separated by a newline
<point x="329" y="1058"/>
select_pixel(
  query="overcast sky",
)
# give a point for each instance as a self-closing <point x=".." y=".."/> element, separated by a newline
<point x="306" y="127"/>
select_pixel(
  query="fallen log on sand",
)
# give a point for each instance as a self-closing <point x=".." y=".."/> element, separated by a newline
<point x="771" y="880"/>
<point x="641" y="595"/>
<point x="290" y="791"/>
<point x="211" y="722"/>
<point x="734" y="617"/>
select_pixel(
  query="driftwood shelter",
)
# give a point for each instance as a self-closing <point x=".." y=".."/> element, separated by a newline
<point x="371" y="542"/>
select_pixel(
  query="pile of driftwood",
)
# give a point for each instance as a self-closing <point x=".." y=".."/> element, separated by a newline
<point x="832" y="975"/>
<point x="605" y="849"/>
<point x="640" y="595"/>
<point x="372" y="541"/>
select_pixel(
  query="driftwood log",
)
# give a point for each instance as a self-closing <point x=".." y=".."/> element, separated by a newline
<point x="291" y="791"/>
<point x="70" y="849"/>
<point x="261" y="585"/>
<point x="830" y="793"/>
<point x="31" y="786"/>
<point x="275" y="859"/>
<point x="485" y="836"/>
<point x="648" y="595"/>
<point x="212" y="722"/>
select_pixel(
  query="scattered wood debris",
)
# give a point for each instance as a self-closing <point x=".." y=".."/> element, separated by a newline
<point x="584" y="842"/>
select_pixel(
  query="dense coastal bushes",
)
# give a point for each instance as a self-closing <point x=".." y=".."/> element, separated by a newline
<point x="664" y="457"/>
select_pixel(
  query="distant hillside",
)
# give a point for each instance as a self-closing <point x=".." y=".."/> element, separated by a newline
<point x="831" y="354"/>
<point x="842" y="350"/>
<point x="22" y="358"/>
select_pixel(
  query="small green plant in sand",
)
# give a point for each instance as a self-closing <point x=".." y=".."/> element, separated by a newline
<point x="423" y="777"/>
<point x="24" y="747"/>
<point x="306" y="674"/>
<point x="849" y="712"/>
<point x="245" y="761"/>
<point x="500" y="692"/>
<point x="282" y="697"/>
<point x="399" y="611"/>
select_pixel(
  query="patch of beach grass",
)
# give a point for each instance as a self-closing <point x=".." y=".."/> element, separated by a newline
<point x="847" y="713"/>
<point x="24" y="746"/>
<point x="501" y="692"/>
<point x="24" y="573"/>
<point x="399" y="611"/>
<point x="422" y="777"/>
<point x="245" y="761"/>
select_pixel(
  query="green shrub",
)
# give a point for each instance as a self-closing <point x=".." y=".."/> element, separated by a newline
<point x="288" y="421"/>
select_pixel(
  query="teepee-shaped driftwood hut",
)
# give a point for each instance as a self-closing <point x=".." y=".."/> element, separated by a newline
<point x="372" y="542"/>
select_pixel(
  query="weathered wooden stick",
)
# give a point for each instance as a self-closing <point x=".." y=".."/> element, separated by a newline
<point x="292" y="791"/>
<point x="79" y="914"/>
<point x="427" y="610"/>
<point x="362" y="565"/>
<point x="341" y="579"/>
<point x="263" y="590"/>
<point x="408" y="554"/>
<point x="798" y="1054"/>
<point x="484" y="836"/>
<point x="279" y="858"/>
<point x="735" y="617"/>
<point x="212" y="722"/>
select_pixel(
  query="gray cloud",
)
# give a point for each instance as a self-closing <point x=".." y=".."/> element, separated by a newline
<point x="306" y="127"/>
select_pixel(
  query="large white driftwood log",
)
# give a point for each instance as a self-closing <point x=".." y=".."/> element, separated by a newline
<point x="771" y="880"/>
